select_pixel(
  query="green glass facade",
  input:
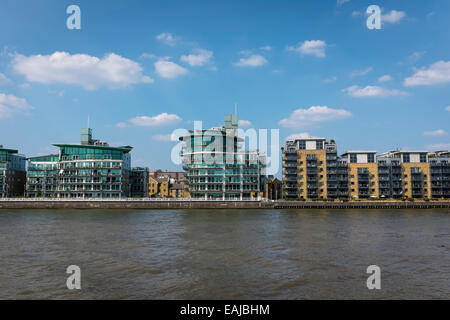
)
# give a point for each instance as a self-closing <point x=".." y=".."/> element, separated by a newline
<point x="12" y="173"/>
<point x="215" y="168"/>
<point x="93" y="170"/>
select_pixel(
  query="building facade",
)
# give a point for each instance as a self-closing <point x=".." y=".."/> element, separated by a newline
<point x="216" y="167"/>
<point x="362" y="174"/>
<point x="312" y="170"/>
<point x="139" y="182"/>
<point x="12" y="173"/>
<point x="92" y="169"/>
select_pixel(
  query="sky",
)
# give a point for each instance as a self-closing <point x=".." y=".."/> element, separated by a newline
<point x="141" y="69"/>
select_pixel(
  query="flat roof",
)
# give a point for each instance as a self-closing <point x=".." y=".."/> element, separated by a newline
<point x="125" y="149"/>
<point x="43" y="156"/>
<point x="9" y="150"/>
<point x="359" y="151"/>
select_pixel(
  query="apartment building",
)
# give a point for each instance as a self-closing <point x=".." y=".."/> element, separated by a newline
<point x="91" y="169"/>
<point x="312" y="170"/>
<point x="415" y="171"/>
<point x="362" y="174"/>
<point x="216" y="167"/>
<point x="440" y="174"/>
<point x="139" y="182"/>
<point x="12" y="173"/>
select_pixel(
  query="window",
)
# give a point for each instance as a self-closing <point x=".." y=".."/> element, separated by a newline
<point x="423" y="157"/>
<point x="319" y="145"/>
<point x="371" y="158"/>
<point x="302" y="145"/>
<point x="353" y="158"/>
<point x="406" y="158"/>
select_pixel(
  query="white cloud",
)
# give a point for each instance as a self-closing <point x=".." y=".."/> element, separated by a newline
<point x="435" y="133"/>
<point x="393" y="16"/>
<point x="4" y="80"/>
<point x="302" y="135"/>
<point x="310" y="47"/>
<point x="254" y="60"/>
<point x="266" y="48"/>
<point x="90" y="72"/>
<point x="437" y="73"/>
<point x="415" y="56"/>
<point x="304" y="117"/>
<point x="168" y="69"/>
<point x="341" y="2"/>
<point x="165" y="137"/>
<point x="362" y="72"/>
<point x="332" y="79"/>
<point x="385" y="78"/>
<point x="448" y="108"/>
<point x="198" y="57"/>
<point x="439" y="146"/>
<point x="10" y="104"/>
<point x="121" y="125"/>
<point x="163" y="119"/>
<point x="372" y="91"/>
<point x="356" y="14"/>
<point x="244" y="123"/>
<point x="167" y="38"/>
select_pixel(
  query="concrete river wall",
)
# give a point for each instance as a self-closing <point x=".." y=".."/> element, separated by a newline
<point x="202" y="204"/>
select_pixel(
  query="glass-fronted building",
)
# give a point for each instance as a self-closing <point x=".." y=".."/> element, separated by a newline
<point x="92" y="169"/>
<point x="215" y="166"/>
<point x="12" y="173"/>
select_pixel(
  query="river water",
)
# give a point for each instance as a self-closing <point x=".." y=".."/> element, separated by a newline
<point x="225" y="254"/>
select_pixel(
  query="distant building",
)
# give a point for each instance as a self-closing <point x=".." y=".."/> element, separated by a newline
<point x="139" y="182"/>
<point x="12" y="173"/>
<point x="215" y="166"/>
<point x="176" y="175"/>
<point x="92" y="169"/>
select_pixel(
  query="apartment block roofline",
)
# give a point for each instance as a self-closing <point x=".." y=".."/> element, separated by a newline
<point x="125" y="149"/>
<point x="358" y="151"/>
<point x="43" y="156"/>
<point x="8" y="150"/>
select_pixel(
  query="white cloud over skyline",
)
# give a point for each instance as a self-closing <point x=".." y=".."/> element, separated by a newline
<point x="90" y="72"/>
<point x="168" y="69"/>
<point x="393" y="17"/>
<point x="167" y="38"/>
<point x="437" y="73"/>
<point x="10" y="104"/>
<point x="254" y="60"/>
<point x="435" y="133"/>
<point x="310" y="47"/>
<point x="198" y="57"/>
<point x="372" y="91"/>
<point x="306" y="117"/>
<point x="163" y="119"/>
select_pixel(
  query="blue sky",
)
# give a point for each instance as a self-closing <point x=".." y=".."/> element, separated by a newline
<point x="140" y="69"/>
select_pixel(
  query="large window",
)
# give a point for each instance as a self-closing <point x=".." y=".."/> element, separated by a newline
<point x="406" y="158"/>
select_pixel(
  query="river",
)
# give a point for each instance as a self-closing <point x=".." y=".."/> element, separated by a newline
<point x="225" y="254"/>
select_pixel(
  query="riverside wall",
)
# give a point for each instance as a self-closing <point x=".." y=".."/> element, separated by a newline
<point x="196" y="204"/>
